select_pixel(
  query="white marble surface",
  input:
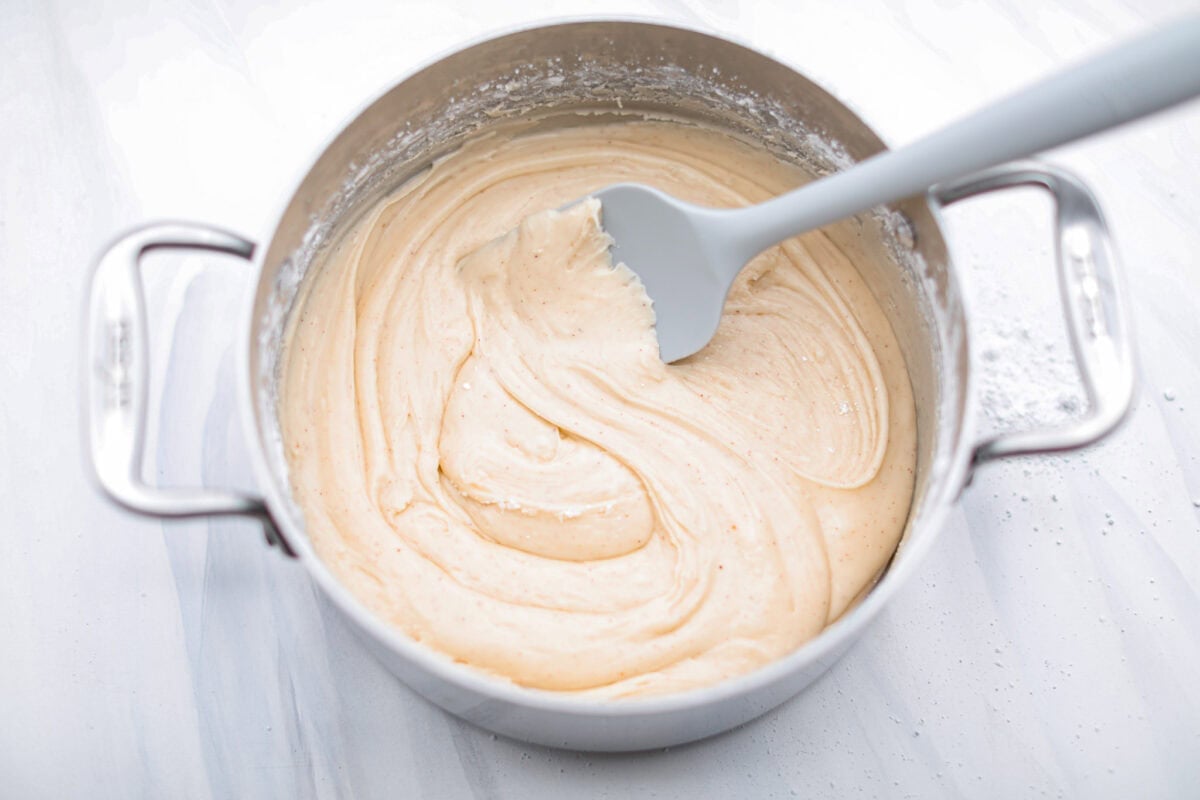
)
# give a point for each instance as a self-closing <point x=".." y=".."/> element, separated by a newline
<point x="1049" y="646"/>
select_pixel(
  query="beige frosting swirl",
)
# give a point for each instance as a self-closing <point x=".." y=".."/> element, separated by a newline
<point x="489" y="453"/>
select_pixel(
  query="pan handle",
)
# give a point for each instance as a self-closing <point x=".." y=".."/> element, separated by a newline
<point x="116" y="379"/>
<point x="1094" y="301"/>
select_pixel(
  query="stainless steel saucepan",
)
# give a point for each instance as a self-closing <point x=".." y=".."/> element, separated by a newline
<point x="611" y="67"/>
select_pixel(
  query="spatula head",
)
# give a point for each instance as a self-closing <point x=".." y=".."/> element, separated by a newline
<point x="673" y="248"/>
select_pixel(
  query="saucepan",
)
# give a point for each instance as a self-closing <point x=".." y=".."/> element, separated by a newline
<point x="604" y="69"/>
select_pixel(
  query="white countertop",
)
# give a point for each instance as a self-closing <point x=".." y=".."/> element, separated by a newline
<point x="1050" y="645"/>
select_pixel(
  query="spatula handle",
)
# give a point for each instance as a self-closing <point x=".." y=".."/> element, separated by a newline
<point x="1133" y="80"/>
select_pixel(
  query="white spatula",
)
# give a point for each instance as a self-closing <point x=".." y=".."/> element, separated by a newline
<point x="687" y="256"/>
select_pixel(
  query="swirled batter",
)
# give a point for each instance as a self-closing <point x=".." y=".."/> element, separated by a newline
<point x="489" y="453"/>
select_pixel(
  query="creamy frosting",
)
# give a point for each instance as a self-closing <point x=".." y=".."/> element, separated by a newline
<point x="489" y="453"/>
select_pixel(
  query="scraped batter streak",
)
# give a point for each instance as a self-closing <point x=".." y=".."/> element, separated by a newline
<point x="490" y="455"/>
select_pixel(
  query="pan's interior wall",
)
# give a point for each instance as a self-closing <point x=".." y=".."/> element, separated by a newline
<point x="607" y="68"/>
